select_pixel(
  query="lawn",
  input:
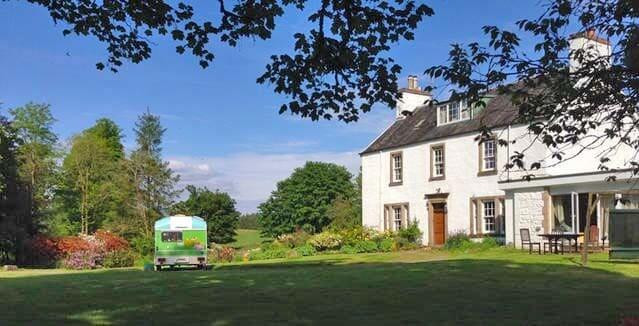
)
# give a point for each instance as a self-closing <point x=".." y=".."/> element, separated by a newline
<point x="498" y="286"/>
<point x="248" y="239"/>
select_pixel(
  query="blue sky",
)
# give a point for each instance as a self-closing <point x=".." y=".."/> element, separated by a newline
<point x="224" y="131"/>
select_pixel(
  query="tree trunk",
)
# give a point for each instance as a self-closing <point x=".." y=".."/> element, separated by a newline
<point x="591" y="208"/>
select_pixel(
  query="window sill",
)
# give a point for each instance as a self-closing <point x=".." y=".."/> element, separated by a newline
<point x="485" y="173"/>
<point x="443" y="177"/>
<point x="395" y="184"/>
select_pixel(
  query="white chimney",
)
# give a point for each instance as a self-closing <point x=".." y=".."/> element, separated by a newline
<point x="412" y="97"/>
<point x="592" y="45"/>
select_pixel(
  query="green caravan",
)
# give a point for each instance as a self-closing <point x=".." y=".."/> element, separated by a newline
<point x="180" y="240"/>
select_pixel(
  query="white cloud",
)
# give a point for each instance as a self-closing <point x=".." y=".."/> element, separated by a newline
<point x="250" y="177"/>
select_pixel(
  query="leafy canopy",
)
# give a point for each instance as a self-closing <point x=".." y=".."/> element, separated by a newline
<point x="216" y="208"/>
<point x="337" y="69"/>
<point x="303" y="199"/>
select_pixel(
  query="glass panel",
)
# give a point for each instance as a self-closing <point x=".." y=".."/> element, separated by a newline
<point x="489" y="155"/>
<point x="443" y="115"/>
<point x="397" y="168"/>
<point x="438" y="161"/>
<point x="561" y="209"/>
<point x="489" y="216"/>
<point x="171" y="236"/>
<point x="465" y="110"/>
<point x="453" y="111"/>
<point x="398" y="217"/>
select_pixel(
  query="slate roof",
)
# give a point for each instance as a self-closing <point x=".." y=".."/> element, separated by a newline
<point x="421" y="126"/>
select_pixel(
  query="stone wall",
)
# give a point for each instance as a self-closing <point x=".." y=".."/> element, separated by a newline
<point x="529" y="214"/>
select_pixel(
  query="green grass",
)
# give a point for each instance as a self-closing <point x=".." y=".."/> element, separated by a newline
<point x="497" y="286"/>
<point x="248" y="239"/>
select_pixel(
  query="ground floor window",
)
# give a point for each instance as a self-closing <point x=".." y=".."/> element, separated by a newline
<point x="395" y="216"/>
<point x="569" y="212"/>
<point x="489" y="215"/>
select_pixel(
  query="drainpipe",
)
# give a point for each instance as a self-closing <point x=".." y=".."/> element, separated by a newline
<point x="508" y="152"/>
<point x="379" y="193"/>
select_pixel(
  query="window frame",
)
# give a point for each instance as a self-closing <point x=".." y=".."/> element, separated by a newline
<point x="433" y="162"/>
<point x="389" y="218"/>
<point x="482" y="158"/>
<point x="485" y="217"/>
<point x="458" y="109"/>
<point x="178" y="239"/>
<point x="393" y="172"/>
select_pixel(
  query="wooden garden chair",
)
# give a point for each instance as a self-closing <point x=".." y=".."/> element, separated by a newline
<point x="525" y="241"/>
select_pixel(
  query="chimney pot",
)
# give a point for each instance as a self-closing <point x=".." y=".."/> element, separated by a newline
<point x="412" y="82"/>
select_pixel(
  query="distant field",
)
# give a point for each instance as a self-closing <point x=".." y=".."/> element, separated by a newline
<point x="496" y="287"/>
<point x="248" y="239"/>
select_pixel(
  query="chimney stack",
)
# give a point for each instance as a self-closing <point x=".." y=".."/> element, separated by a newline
<point x="412" y="97"/>
<point x="413" y="82"/>
<point x="591" y="44"/>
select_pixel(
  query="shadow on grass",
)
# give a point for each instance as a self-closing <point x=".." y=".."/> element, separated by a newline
<point x="457" y="291"/>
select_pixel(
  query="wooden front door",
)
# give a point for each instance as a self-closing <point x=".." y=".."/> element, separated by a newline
<point x="439" y="224"/>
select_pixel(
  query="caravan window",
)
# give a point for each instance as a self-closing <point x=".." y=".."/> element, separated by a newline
<point x="172" y="236"/>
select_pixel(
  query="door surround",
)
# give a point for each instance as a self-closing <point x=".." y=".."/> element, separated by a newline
<point x="431" y="200"/>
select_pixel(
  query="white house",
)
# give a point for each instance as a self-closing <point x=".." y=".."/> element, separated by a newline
<point x="428" y="166"/>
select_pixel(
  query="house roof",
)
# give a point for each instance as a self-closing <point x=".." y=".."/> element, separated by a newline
<point x="421" y="126"/>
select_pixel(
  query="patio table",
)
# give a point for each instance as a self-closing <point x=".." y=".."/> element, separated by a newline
<point x="553" y="239"/>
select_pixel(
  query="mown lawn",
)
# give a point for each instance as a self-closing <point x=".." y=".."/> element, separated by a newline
<point x="247" y="239"/>
<point x="499" y="286"/>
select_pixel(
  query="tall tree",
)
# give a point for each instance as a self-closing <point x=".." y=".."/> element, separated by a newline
<point x="570" y="97"/>
<point x="302" y="200"/>
<point x="112" y="135"/>
<point x="93" y="186"/>
<point x="216" y="208"/>
<point x="339" y="67"/>
<point x="36" y="152"/>
<point x="154" y="181"/>
<point x="15" y="215"/>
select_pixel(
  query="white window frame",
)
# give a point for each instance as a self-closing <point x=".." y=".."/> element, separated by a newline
<point x="397" y="218"/>
<point x="485" y="216"/>
<point x="489" y="158"/>
<point x="441" y="164"/>
<point x="453" y="112"/>
<point x="397" y="168"/>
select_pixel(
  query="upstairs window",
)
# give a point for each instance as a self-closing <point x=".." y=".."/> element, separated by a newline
<point x="488" y="155"/>
<point x="453" y="112"/>
<point x="437" y="169"/>
<point x="396" y="168"/>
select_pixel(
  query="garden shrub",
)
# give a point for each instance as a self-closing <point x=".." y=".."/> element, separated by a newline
<point x="43" y="251"/>
<point x="411" y="233"/>
<point x="271" y="253"/>
<point x="220" y="254"/>
<point x="366" y="246"/>
<point x="385" y="245"/>
<point x="356" y="234"/>
<point x="306" y="250"/>
<point x="293" y="240"/>
<point x="348" y="249"/>
<point x="458" y="240"/>
<point x="326" y="241"/>
<point x="110" y="241"/>
<point x="119" y="258"/>
<point x="83" y="259"/>
<point x="489" y="242"/>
